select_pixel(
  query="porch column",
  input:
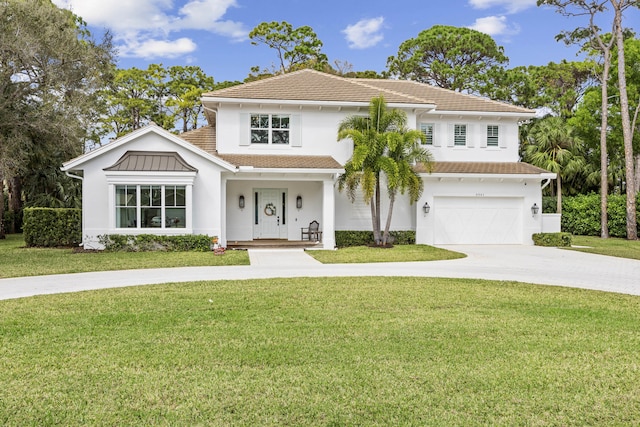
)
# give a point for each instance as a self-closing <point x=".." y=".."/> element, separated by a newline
<point x="328" y="215"/>
<point x="223" y="211"/>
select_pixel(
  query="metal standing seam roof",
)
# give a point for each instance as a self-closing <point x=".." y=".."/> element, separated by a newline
<point x="151" y="161"/>
<point x="311" y="85"/>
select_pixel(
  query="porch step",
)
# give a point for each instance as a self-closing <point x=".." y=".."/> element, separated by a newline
<point x="271" y="244"/>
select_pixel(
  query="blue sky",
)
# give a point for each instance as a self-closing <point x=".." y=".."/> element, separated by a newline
<point x="212" y="34"/>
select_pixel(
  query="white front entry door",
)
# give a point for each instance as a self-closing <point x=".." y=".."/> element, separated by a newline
<point x="478" y="220"/>
<point x="270" y="219"/>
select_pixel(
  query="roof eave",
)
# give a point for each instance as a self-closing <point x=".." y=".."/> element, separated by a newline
<point x="512" y="114"/>
<point x="298" y="102"/>
<point x="543" y="175"/>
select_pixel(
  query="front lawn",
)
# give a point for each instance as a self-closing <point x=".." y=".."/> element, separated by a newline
<point x="621" y="248"/>
<point x="399" y="253"/>
<point x="17" y="260"/>
<point x="322" y="351"/>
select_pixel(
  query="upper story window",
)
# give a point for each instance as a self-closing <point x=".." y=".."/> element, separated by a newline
<point x="460" y="135"/>
<point x="427" y="129"/>
<point x="492" y="135"/>
<point x="270" y="129"/>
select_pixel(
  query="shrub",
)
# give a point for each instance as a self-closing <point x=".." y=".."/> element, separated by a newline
<point x="346" y="238"/>
<point x="581" y="215"/>
<point x="152" y="242"/>
<point x="51" y="227"/>
<point x="552" y="239"/>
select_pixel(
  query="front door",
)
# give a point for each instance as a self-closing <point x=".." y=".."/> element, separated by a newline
<point x="270" y="213"/>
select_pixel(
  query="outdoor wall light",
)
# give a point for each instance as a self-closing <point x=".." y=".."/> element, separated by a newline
<point x="426" y="208"/>
<point x="299" y="202"/>
<point x="534" y="209"/>
<point x="241" y="202"/>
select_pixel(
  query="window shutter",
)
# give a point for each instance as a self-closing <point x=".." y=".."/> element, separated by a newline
<point x="502" y="137"/>
<point x="472" y="134"/>
<point x="438" y="133"/>
<point x="295" y="133"/>
<point x="245" y="127"/>
<point x="450" y="135"/>
<point x="483" y="137"/>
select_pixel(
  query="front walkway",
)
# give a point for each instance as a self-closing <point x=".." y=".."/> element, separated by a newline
<point x="531" y="264"/>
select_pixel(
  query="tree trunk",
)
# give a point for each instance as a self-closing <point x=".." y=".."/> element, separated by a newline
<point x="376" y="223"/>
<point x="604" y="158"/>
<point x="385" y="236"/>
<point x="2" y="231"/>
<point x="376" y="234"/>
<point x="15" y="201"/>
<point x="637" y="180"/>
<point x="559" y="192"/>
<point x="632" y="227"/>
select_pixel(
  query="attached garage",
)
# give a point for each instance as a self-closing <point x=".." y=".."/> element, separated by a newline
<point x="478" y="220"/>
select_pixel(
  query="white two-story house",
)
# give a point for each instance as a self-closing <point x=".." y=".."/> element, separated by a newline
<point x="267" y="164"/>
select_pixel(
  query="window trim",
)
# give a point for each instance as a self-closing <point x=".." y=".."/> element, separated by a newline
<point x="463" y="135"/>
<point x="423" y="129"/>
<point x="185" y="179"/>
<point x="271" y="129"/>
<point x="491" y="138"/>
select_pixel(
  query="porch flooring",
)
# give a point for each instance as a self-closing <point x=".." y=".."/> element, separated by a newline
<point x="271" y="244"/>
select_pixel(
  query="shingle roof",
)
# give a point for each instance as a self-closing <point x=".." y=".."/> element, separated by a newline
<point x="151" y="161"/>
<point x="203" y="138"/>
<point x="515" y="168"/>
<point x="281" y="162"/>
<point x="311" y="85"/>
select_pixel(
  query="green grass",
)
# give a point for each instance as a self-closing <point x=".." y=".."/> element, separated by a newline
<point x="621" y="248"/>
<point x="17" y="260"/>
<point x="400" y="253"/>
<point x="322" y="351"/>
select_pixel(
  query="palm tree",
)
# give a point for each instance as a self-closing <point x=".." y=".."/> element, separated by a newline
<point x="551" y="146"/>
<point x="382" y="144"/>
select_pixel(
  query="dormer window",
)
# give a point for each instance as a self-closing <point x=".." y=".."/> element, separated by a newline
<point x="270" y="129"/>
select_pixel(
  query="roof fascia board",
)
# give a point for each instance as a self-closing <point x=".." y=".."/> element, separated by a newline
<point x="250" y="169"/>
<point x="78" y="161"/>
<point x="511" y="176"/>
<point x="521" y="115"/>
<point x="252" y="101"/>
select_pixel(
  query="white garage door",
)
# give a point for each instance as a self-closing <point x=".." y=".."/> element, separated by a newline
<point x="478" y="220"/>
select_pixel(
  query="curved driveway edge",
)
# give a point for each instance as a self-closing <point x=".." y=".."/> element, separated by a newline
<point x="531" y="264"/>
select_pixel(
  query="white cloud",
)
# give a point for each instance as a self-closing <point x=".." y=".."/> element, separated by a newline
<point x="495" y="26"/>
<point x="364" y="33"/>
<point x="511" y="6"/>
<point x="143" y="28"/>
<point x="150" y="49"/>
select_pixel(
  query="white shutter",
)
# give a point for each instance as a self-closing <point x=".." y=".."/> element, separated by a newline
<point x="439" y="131"/>
<point x="295" y="131"/>
<point x="483" y="136"/>
<point x="245" y="127"/>
<point x="450" y="134"/>
<point x="472" y="134"/>
<point x="502" y="137"/>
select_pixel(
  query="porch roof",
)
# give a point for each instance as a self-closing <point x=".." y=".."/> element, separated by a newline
<point x="492" y="168"/>
<point x="281" y="161"/>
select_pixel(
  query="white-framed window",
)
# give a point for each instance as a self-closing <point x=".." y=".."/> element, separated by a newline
<point x="150" y="206"/>
<point x="270" y="129"/>
<point x="427" y="130"/>
<point x="492" y="135"/>
<point x="459" y="135"/>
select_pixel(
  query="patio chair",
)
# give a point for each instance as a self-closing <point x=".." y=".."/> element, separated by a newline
<point x="312" y="232"/>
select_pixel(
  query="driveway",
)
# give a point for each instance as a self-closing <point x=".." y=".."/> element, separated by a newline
<point x="532" y="264"/>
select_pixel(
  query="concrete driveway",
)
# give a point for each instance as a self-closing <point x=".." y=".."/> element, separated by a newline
<point x="532" y="264"/>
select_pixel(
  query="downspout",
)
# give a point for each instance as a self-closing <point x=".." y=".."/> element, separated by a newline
<point x="70" y="175"/>
<point x="546" y="183"/>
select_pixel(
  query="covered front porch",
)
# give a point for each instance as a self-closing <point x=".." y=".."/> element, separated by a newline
<point x="277" y="210"/>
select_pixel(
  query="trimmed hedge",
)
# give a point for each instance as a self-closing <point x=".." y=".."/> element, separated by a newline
<point x="346" y="238"/>
<point x="49" y="227"/>
<point x="581" y="215"/>
<point x="152" y="242"/>
<point x="552" y="239"/>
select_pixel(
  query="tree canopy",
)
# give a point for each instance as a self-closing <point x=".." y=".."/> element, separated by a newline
<point x="459" y="59"/>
